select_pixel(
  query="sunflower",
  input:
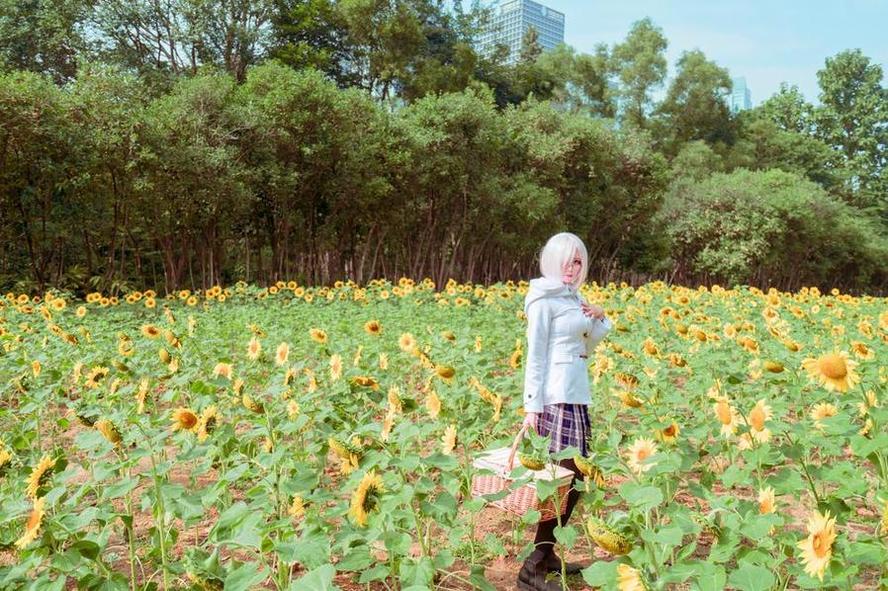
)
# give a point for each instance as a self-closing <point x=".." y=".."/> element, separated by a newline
<point x="296" y="510"/>
<point x="650" y="347"/>
<point x="433" y="404"/>
<point x="822" y="411"/>
<point x="668" y="434"/>
<point x="833" y="370"/>
<point x="515" y="359"/>
<point x="394" y="400"/>
<point x="250" y="404"/>
<point x="141" y="395"/>
<point x="760" y="413"/>
<point x="373" y="327"/>
<point x="224" y="370"/>
<point x="282" y="354"/>
<point x="861" y="351"/>
<point x="184" y="419"/>
<point x="32" y="527"/>
<point x="626" y="380"/>
<point x="254" y="349"/>
<point x="445" y="372"/>
<point x="109" y="431"/>
<point x="5" y="458"/>
<point x="817" y="547"/>
<point x="36" y="368"/>
<point x="318" y="335"/>
<point x="365" y="382"/>
<point x="80" y="312"/>
<point x="449" y="440"/>
<point x="388" y="424"/>
<point x="335" y="367"/>
<point x="766" y="500"/>
<point x="727" y="415"/>
<point x="39" y="477"/>
<point x="95" y="375"/>
<point x="150" y="331"/>
<point x="773" y="366"/>
<point x="628" y="399"/>
<point x="640" y="450"/>
<point x="365" y="498"/>
<point x="629" y="579"/>
<point x="207" y="422"/>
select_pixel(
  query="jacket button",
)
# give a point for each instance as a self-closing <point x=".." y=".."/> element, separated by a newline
<point x="585" y="335"/>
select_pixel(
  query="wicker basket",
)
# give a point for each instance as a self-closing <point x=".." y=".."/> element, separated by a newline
<point x="523" y="498"/>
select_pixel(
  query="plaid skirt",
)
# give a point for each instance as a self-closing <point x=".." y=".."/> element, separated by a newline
<point x="567" y="425"/>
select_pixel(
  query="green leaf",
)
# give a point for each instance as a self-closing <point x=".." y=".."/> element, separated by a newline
<point x="641" y="497"/>
<point x="244" y="577"/>
<point x="751" y="577"/>
<point x="120" y="488"/>
<point x="601" y="573"/>
<point x="566" y="535"/>
<point x="710" y="577"/>
<point x="670" y="536"/>
<point x="319" y="579"/>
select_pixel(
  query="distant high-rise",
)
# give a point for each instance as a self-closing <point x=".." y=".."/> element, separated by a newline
<point x="512" y="18"/>
<point x="741" y="99"/>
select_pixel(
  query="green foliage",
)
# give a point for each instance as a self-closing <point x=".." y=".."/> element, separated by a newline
<point x="743" y="226"/>
<point x="694" y="107"/>
<point x="640" y="64"/>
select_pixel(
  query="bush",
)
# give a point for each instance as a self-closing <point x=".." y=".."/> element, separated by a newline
<point x="771" y="226"/>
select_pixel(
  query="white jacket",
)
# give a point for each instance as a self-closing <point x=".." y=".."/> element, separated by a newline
<point x="557" y="334"/>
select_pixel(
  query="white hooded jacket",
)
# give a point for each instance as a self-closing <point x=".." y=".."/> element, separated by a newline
<point x="557" y="334"/>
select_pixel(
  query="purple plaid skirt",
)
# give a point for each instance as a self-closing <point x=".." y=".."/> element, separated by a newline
<point x="567" y="425"/>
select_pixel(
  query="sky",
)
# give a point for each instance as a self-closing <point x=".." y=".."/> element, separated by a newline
<point x="765" y="41"/>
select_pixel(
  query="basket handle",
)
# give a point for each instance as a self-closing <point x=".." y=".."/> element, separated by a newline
<point x="511" y="461"/>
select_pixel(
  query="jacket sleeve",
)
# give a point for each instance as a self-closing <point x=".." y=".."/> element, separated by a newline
<point x="596" y="333"/>
<point x="538" y="324"/>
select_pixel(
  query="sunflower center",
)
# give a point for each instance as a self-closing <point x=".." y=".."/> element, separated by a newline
<point x="724" y="413"/>
<point x="820" y="545"/>
<point x="669" y="431"/>
<point x="757" y="418"/>
<point x="643" y="454"/>
<point x="33" y="520"/>
<point x="833" y="366"/>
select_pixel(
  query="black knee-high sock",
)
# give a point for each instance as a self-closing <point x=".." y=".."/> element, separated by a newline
<point x="545" y="534"/>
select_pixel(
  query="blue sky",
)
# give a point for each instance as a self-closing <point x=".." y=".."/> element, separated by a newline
<point x="767" y="42"/>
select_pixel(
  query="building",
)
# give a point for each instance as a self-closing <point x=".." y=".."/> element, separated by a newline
<point x="740" y="99"/>
<point x="511" y="19"/>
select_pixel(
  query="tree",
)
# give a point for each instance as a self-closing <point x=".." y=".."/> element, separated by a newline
<point x="853" y="120"/>
<point x="640" y="64"/>
<point x="44" y="36"/>
<point x="580" y="81"/>
<point x="178" y="36"/>
<point x="768" y="227"/>
<point x="530" y="46"/>
<point x="789" y="110"/>
<point x="695" y="106"/>
<point x="313" y="34"/>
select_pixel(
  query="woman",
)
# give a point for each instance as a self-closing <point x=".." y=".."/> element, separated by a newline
<point x="562" y="331"/>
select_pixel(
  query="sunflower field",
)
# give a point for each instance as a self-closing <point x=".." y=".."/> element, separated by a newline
<point x="318" y="438"/>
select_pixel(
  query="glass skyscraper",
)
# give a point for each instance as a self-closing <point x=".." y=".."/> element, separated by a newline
<point x="511" y="19"/>
<point x="741" y="99"/>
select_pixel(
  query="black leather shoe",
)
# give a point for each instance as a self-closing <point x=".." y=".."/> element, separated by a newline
<point x="532" y="576"/>
<point x="553" y="565"/>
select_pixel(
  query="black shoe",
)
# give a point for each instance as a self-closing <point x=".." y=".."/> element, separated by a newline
<point x="532" y="576"/>
<point x="553" y="565"/>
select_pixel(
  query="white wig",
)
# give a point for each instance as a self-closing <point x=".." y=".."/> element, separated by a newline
<point x="558" y="251"/>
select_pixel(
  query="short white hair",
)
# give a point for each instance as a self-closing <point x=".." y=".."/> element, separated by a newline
<point x="558" y="251"/>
